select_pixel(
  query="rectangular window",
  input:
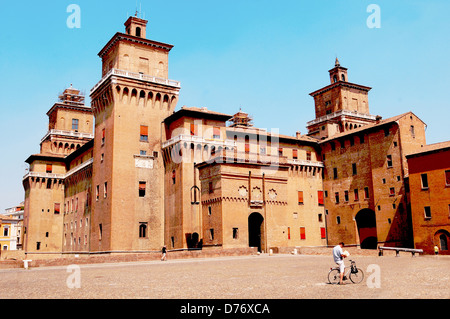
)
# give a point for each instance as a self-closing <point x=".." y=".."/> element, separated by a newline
<point x="247" y="148"/>
<point x="280" y="151"/>
<point x="235" y="233"/>
<point x="216" y="133"/>
<point x="338" y="220"/>
<point x="211" y="189"/>
<point x="142" y="188"/>
<point x="100" y="231"/>
<point x="144" y="133"/>
<point x="300" y="197"/>
<point x="320" y="218"/>
<point x="392" y="191"/>
<point x="427" y="212"/>
<point x="5" y="231"/>
<point x="412" y="131"/>
<point x="49" y="168"/>
<point x="308" y="156"/>
<point x="447" y="178"/>
<point x="335" y="173"/>
<point x="336" y="197"/>
<point x="389" y="161"/>
<point x="105" y="191"/>
<point x="354" y="170"/>
<point x="143" y="230"/>
<point x="356" y="193"/>
<point x="103" y="136"/>
<point x="333" y="146"/>
<point x="320" y="197"/>
<point x="302" y="233"/>
<point x="323" y="233"/>
<point x="97" y="190"/>
<point x="211" y="234"/>
<point x="75" y="124"/>
<point x="424" y="179"/>
<point x="295" y="154"/>
<point x="346" y="196"/>
<point x="289" y="232"/>
<point x="194" y="130"/>
<point x="366" y="192"/>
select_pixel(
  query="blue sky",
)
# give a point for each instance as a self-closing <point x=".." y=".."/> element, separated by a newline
<point x="262" y="56"/>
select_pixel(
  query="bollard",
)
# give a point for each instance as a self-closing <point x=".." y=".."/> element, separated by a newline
<point x="25" y="263"/>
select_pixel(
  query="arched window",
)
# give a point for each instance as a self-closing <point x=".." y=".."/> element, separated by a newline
<point x="343" y="77"/>
<point x="335" y="79"/>
<point x="138" y="32"/>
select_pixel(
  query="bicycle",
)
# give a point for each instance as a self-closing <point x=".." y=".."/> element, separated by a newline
<point x="355" y="274"/>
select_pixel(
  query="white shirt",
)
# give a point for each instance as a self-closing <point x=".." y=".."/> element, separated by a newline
<point x="337" y="252"/>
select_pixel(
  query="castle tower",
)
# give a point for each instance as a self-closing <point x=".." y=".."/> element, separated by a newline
<point x="130" y="103"/>
<point x="70" y="124"/>
<point x="70" y="127"/>
<point x="340" y="106"/>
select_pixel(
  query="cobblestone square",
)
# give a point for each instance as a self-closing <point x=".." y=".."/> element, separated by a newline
<point x="233" y="278"/>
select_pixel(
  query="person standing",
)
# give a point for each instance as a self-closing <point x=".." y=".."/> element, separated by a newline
<point x="338" y="256"/>
<point x="436" y="250"/>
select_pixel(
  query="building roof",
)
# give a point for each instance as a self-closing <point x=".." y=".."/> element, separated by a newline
<point x="198" y="113"/>
<point x="341" y="83"/>
<point x="430" y="148"/>
<point x="119" y="36"/>
<point x="45" y="157"/>
<point x="368" y="127"/>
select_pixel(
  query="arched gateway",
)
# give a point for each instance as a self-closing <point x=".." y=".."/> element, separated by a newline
<point x="255" y="230"/>
<point x="367" y="228"/>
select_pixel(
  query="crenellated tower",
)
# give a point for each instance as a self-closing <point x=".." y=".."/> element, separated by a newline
<point x="340" y="106"/>
<point x="130" y="103"/>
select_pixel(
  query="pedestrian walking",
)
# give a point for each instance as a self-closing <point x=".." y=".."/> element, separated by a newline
<point x="436" y="250"/>
<point x="164" y="252"/>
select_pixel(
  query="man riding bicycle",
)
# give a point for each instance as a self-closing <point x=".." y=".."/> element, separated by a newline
<point x="339" y="256"/>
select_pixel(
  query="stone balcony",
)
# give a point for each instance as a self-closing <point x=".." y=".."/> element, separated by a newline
<point x="136" y="76"/>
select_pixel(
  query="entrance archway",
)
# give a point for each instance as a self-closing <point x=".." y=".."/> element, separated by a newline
<point x="367" y="228"/>
<point x="442" y="237"/>
<point x="255" y="230"/>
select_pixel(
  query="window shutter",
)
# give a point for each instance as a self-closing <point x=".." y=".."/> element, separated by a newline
<point x="144" y="130"/>
<point x="320" y="196"/>
<point x="323" y="233"/>
<point x="300" y="197"/>
<point x="217" y="132"/>
<point x="302" y="233"/>
<point x="193" y="130"/>
<point x="49" y="168"/>
<point x="57" y="208"/>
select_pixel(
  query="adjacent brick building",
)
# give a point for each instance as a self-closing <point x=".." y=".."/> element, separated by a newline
<point x="429" y="184"/>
